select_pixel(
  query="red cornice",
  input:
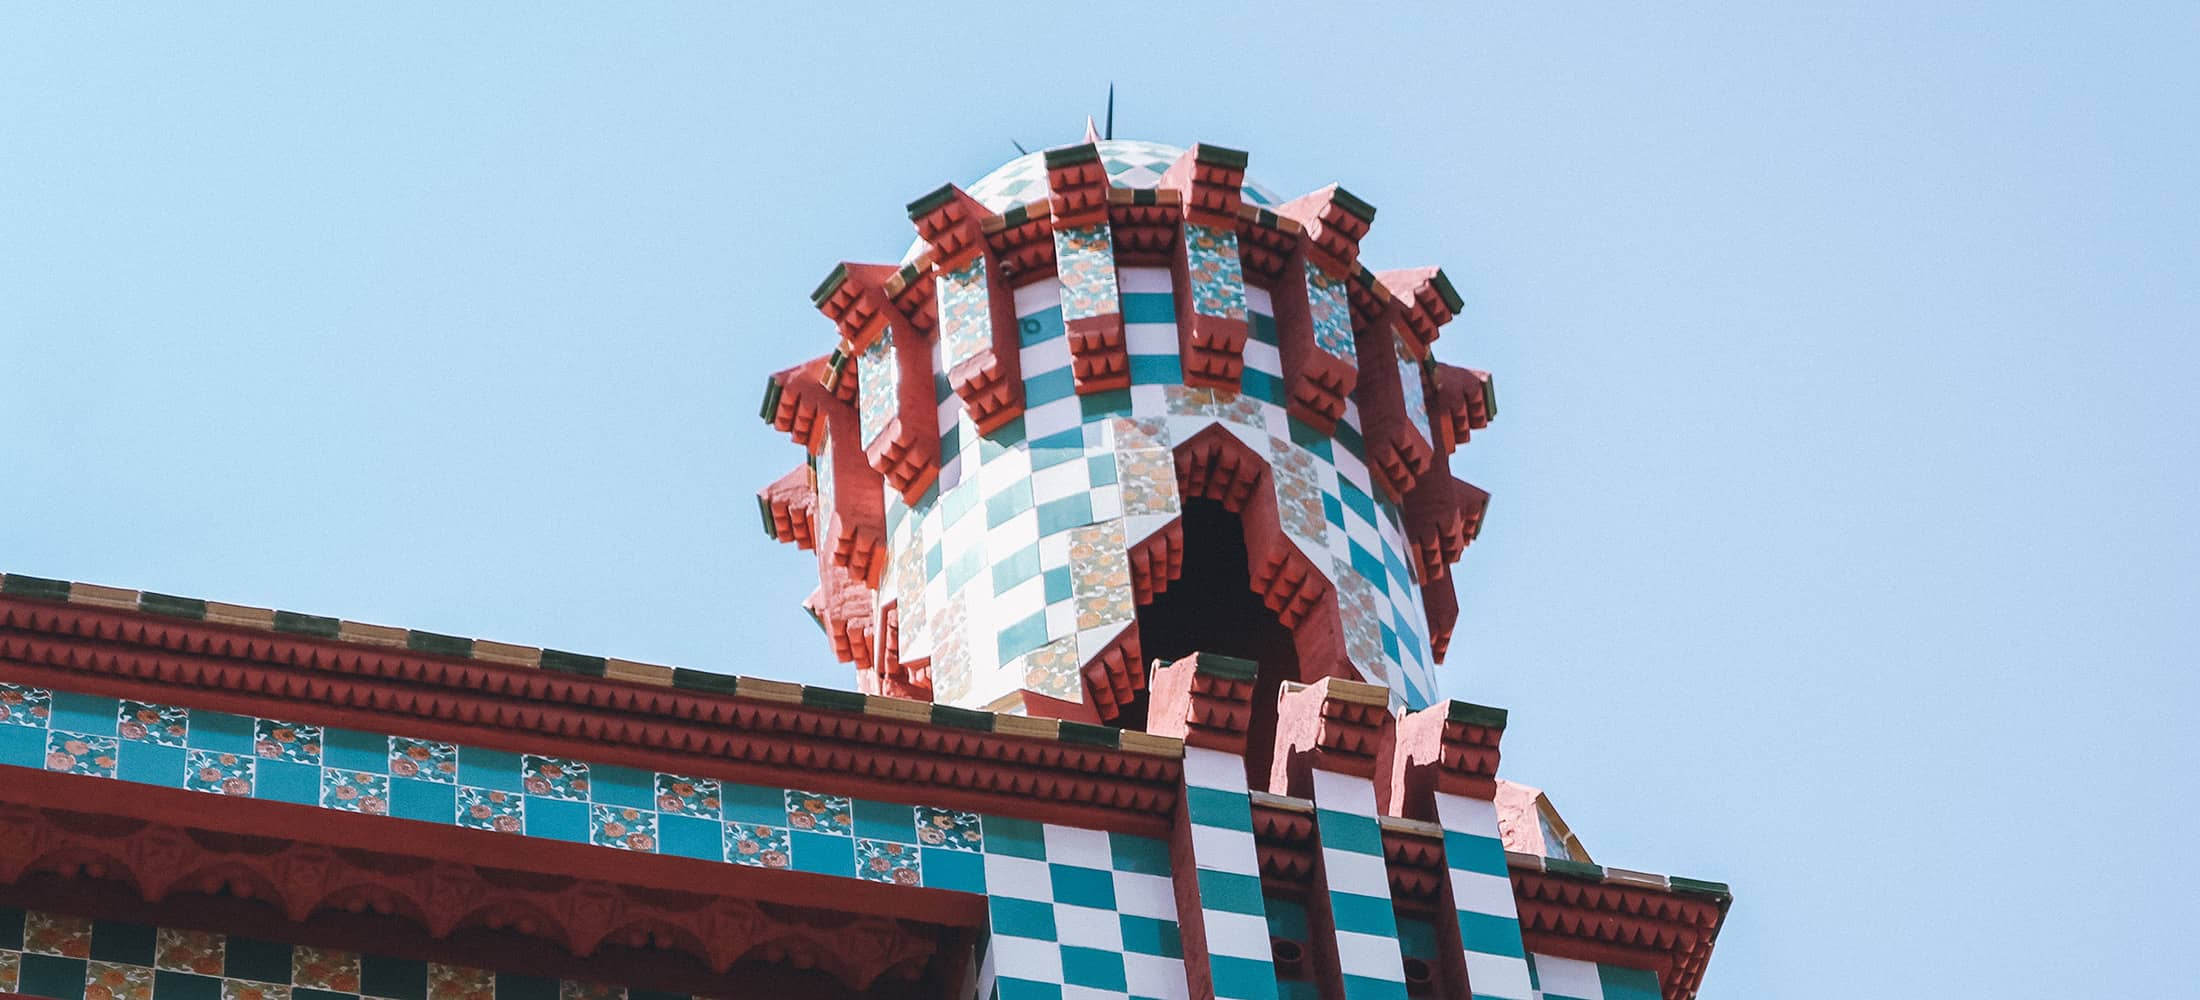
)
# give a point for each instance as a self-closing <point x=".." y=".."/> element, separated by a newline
<point x="1636" y="925"/>
<point x="754" y="740"/>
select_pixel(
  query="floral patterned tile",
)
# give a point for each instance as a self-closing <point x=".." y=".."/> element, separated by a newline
<point x="116" y="981"/>
<point x="681" y="796"/>
<point x="571" y="990"/>
<point x="1330" y="302"/>
<point x="878" y="377"/>
<point x="426" y="760"/>
<point x="287" y="741"/>
<point x="24" y="706"/>
<point x="959" y="831"/>
<point x="454" y="982"/>
<point x="821" y="813"/>
<point x="11" y="970"/>
<point x="324" y="969"/>
<point x="1218" y="279"/>
<point x="54" y="934"/>
<point x="623" y="827"/>
<point x="219" y="773"/>
<point x="74" y="753"/>
<point x="162" y="724"/>
<point x="1052" y="670"/>
<point x="1085" y="260"/>
<point x="757" y="845"/>
<point x="355" y="791"/>
<point x="246" y="989"/>
<point x="188" y="951"/>
<point x="886" y="861"/>
<point x="490" y="809"/>
<point x="966" y="320"/>
<point x="1100" y="574"/>
<point x="551" y="776"/>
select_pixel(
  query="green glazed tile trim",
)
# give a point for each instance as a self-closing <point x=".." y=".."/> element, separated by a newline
<point x="1449" y="294"/>
<point x="703" y="680"/>
<point x="1227" y="667"/>
<point x="1145" y="196"/>
<point x="1489" y="395"/>
<point x="931" y="201"/>
<point x="1086" y="734"/>
<point x="440" y="645"/>
<point x="962" y="718"/>
<point x="909" y="274"/>
<point x="833" y="367"/>
<point x="173" y="607"/>
<point x="764" y="508"/>
<point x="1064" y="156"/>
<point x="1221" y="156"/>
<point x="772" y="391"/>
<point x="1266" y="219"/>
<point x="313" y="625"/>
<point x="827" y="698"/>
<point x="1476" y="715"/>
<point x="1700" y="887"/>
<point x="1578" y="869"/>
<point x="18" y="585"/>
<point x="831" y="284"/>
<point x="1352" y="203"/>
<point x="1017" y="216"/>
<point x="572" y="663"/>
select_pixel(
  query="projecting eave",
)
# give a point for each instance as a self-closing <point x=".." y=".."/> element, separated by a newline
<point x="1666" y="924"/>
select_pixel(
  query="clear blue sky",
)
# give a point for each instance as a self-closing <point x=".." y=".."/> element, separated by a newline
<point x="1843" y="481"/>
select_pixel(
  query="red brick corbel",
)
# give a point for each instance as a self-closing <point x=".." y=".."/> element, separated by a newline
<point x="1397" y="452"/>
<point x="1449" y="747"/>
<point x="1461" y="401"/>
<point x="1335" y="221"/>
<point x="1204" y="699"/>
<point x="1210" y="180"/>
<point x="906" y="449"/>
<point x="1335" y="725"/>
<point x="991" y="383"/>
<point x="1078" y="187"/>
<point x="794" y="401"/>
<point x="1441" y="604"/>
<point x="789" y="506"/>
<point x="1430" y="301"/>
<point x="1316" y="382"/>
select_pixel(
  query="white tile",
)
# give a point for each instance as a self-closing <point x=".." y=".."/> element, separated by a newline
<point x="1054" y="551"/>
<point x="1062" y="620"/>
<point x="1107" y="502"/>
<point x="1461" y="814"/>
<point x="1239" y="935"/>
<point x="1092" y="640"/>
<point x="1057" y="481"/>
<point x="1018" y="878"/>
<point x="1258" y="300"/>
<point x="1088" y="927"/>
<point x="1225" y="850"/>
<point x="1359" y="874"/>
<point x="1344" y="793"/>
<point x="1150" y="339"/>
<point x="1068" y="845"/>
<point x="1015" y="533"/>
<point x="1137" y="526"/>
<point x="1143" y="895"/>
<point x="1026" y="958"/>
<point x="1052" y="418"/>
<point x="1155" y="976"/>
<point x="1502" y="976"/>
<point x="1479" y="893"/>
<point x="1045" y="356"/>
<point x="1149" y="400"/>
<point x="1263" y="358"/>
<point x="1037" y="297"/>
<point x="1070" y="992"/>
<point x="1371" y="956"/>
<point x="1143" y="279"/>
<point x="1209" y="768"/>
<point x="1564" y="976"/>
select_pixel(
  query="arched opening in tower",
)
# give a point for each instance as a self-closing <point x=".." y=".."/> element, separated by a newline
<point x="1213" y="608"/>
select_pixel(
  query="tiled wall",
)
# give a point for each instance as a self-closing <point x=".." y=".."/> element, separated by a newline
<point x="1572" y="979"/>
<point x="73" y="958"/>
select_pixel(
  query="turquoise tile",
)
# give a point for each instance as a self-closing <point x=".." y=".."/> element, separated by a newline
<point x="1332" y="510"/>
<point x="51" y="977"/>
<point x="751" y="804"/>
<point x="283" y="781"/>
<point x="1107" y="403"/>
<point x="513" y="986"/>
<point x="1046" y="387"/>
<point x="1359" y="503"/>
<point x="622" y="786"/>
<point x="1054" y="449"/>
<point x="353" y="750"/>
<point x="1358" y="987"/>
<point x="1149" y="307"/>
<point x="1467" y="852"/>
<point x="84" y="713"/>
<point x="1012" y="988"/>
<point x="1144" y="855"/>
<point x="1622" y="983"/>
<point x="1082" y="886"/>
<point x="1242" y="978"/>
<point x="428" y="801"/>
<point x="1364" y="562"/>
<point x="1040" y="327"/>
<point x="557" y="819"/>
<point x="960" y="500"/>
<point x="23" y="746"/>
<point x="1215" y="807"/>
<point x="1096" y="969"/>
<point x="1006" y="436"/>
<point x="1287" y="919"/>
<point x="1490" y="934"/>
<point x="1056" y="516"/>
<point x="1363" y="914"/>
<point x="117" y="941"/>
<point x="965" y="566"/>
<point x="1148" y="936"/>
<point x="1024" y="636"/>
<point x="220" y="731"/>
<point x="396" y="978"/>
<point x="823" y="853"/>
<point x="492" y="769"/>
<point x="185" y="986"/>
<point x="1261" y="327"/>
<point x="690" y="837"/>
<point x="1059" y="587"/>
<point x="1417" y="938"/>
<point x="1016" y="838"/>
<point x="961" y="871"/>
<point x="1343" y="831"/>
<point x="1018" y="566"/>
<point x="1100" y="470"/>
<point x="1022" y="918"/>
<point x="254" y="959"/>
<point x="1230" y="892"/>
<point x="885" y="821"/>
<point x="1305" y="436"/>
<point x="1008" y="503"/>
<point x="1156" y="369"/>
<point x="151" y="764"/>
<point x="1265" y="387"/>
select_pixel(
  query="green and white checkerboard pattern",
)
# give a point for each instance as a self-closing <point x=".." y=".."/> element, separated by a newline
<point x="1481" y="888"/>
<point x="1358" y="883"/>
<point x="1089" y="915"/>
<point x="1227" y="865"/>
<point x="1573" y="979"/>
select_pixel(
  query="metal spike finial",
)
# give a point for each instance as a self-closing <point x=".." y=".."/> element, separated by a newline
<point x="1020" y="150"/>
<point x="1110" y="133"/>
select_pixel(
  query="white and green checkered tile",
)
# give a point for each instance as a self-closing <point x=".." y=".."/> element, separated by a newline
<point x="1226" y="865"/>
<point x="1481" y="889"/>
<point x="1358" y="886"/>
<point x="1573" y="979"/>
<point x="1081" y="915"/>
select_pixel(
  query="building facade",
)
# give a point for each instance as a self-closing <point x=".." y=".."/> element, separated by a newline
<point x="1131" y="493"/>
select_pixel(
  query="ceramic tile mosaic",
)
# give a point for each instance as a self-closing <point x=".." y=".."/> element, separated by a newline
<point x="1411" y="379"/>
<point x="966" y="322"/>
<point x="1218" y="279"/>
<point x="1330" y="303"/>
<point x="1481" y="886"/>
<point x="878" y="377"/>
<point x="1084" y="259"/>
